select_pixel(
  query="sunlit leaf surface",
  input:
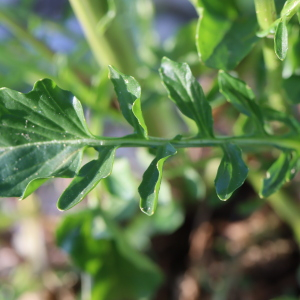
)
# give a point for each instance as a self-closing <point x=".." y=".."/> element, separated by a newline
<point x="128" y="91"/>
<point x="43" y="134"/>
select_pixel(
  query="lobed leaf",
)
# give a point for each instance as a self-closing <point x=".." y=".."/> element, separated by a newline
<point x="43" y="134"/>
<point x="223" y="39"/>
<point x="87" y="178"/>
<point x="149" y="188"/>
<point x="240" y="95"/>
<point x="232" y="171"/>
<point x="277" y="175"/>
<point x="128" y="91"/>
<point x="186" y="92"/>
<point x="281" y="39"/>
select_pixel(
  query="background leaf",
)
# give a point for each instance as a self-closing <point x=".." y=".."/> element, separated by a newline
<point x="240" y="95"/>
<point x="223" y="39"/>
<point x="149" y="188"/>
<point x="281" y="39"/>
<point x="87" y="178"/>
<point x="274" y="115"/>
<point x="188" y="95"/>
<point x="277" y="174"/>
<point x="43" y="135"/>
<point x="232" y="171"/>
<point x="128" y="91"/>
<point x="292" y="88"/>
<point x="97" y="246"/>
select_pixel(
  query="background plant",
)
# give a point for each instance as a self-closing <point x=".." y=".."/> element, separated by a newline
<point x="227" y="37"/>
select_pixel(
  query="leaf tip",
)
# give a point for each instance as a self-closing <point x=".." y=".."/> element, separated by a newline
<point x="224" y="197"/>
<point x="59" y="206"/>
<point x="165" y="59"/>
<point x="112" y="71"/>
<point x="147" y="210"/>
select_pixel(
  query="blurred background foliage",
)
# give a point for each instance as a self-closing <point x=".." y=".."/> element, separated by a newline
<point x="195" y="246"/>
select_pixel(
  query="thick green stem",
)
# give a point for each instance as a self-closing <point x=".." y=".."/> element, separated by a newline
<point x="266" y="15"/>
<point x="89" y="19"/>
<point x="109" y="48"/>
<point x="265" y="12"/>
<point x="133" y="141"/>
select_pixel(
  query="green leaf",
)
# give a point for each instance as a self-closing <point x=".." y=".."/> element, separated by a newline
<point x="240" y="95"/>
<point x="290" y="8"/>
<point x="87" y="178"/>
<point x="223" y="39"/>
<point x="292" y="88"/>
<point x="232" y="171"/>
<point x="281" y="39"/>
<point x="97" y="246"/>
<point x="186" y="92"/>
<point x="43" y="134"/>
<point x="275" y="115"/>
<point x="276" y="175"/>
<point x="269" y="31"/>
<point x="294" y="167"/>
<point x="149" y="188"/>
<point x="128" y="91"/>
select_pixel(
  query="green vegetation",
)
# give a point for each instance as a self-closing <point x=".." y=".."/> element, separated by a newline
<point x="46" y="133"/>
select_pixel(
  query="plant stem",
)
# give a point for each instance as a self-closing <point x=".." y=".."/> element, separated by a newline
<point x="86" y="14"/>
<point x="265" y="12"/>
<point x="23" y="34"/>
<point x="266" y="15"/>
<point x="109" y="48"/>
<point x="132" y="141"/>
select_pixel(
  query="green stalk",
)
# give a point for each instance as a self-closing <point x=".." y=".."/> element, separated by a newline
<point x="24" y="35"/>
<point x="133" y="141"/>
<point x="266" y="15"/>
<point x="109" y="48"/>
<point x="87" y="15"/>
<point x="114" y="47"/>
<point x="265" y="12"/>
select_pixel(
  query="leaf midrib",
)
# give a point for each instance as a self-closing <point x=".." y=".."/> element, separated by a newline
<point x="83" y="142"/>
